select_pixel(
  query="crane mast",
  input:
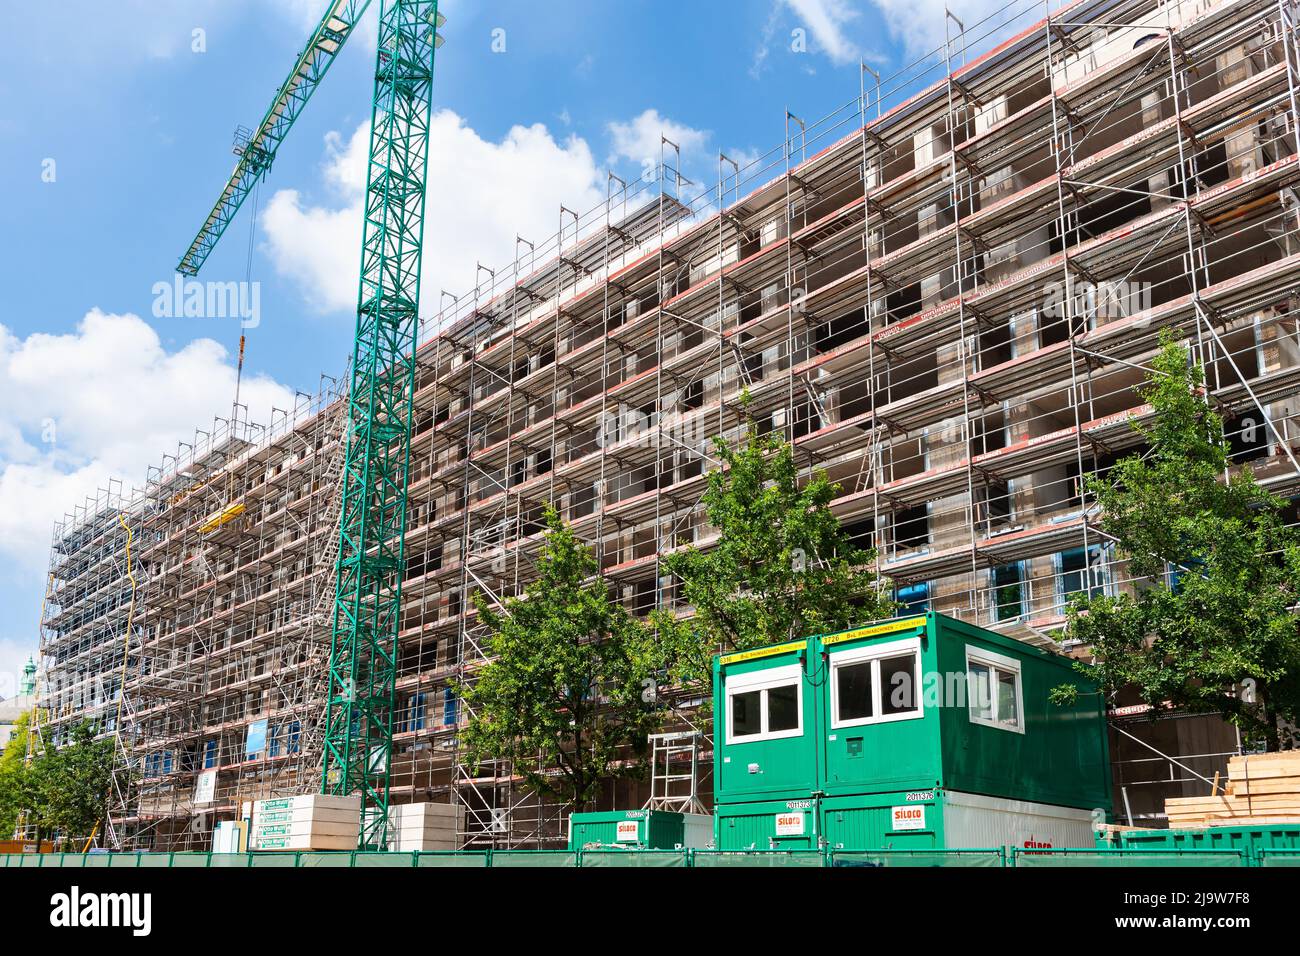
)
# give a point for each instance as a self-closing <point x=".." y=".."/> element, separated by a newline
<point x="361" y="696"/>
<point x="368" y="581"/>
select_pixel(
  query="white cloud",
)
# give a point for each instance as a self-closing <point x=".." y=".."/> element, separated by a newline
<point x="764" y="47"/>
<point x="105" y="400"/>
<point x="827" y="20"/>
<point x="481" y="194"/>
<point x="317" y="247"/>
<point x="638" y="139"/>
<point x="34" y="496"/>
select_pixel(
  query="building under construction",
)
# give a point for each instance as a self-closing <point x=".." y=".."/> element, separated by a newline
<point x="943" y="293"/>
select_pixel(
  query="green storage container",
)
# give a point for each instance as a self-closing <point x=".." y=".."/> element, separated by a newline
<point x="1278" y="836"/>
<point x="791" y="824"/>
<point x="867" y="821"/>
<point x="639" y="829"/>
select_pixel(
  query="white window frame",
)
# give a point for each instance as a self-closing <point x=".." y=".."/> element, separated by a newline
<point x="764" y="681"/>
<point x="1025" y="596"/>
<point x="1103" y="575"/>
<point x="994" y="660"/>
<point x="875" y="653"/>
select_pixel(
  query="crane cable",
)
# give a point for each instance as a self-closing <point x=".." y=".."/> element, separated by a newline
<point x="248" y="282"/>
<point x="239" y="366"/>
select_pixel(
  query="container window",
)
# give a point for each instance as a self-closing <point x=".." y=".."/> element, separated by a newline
<point x="876" y="684"/>
<point x="853" y="684"/>
<point x="1008" y="694"/>
<point x="993" y="691"/>
<point x="981" y="701"/>
<point x="783" y="707"/>
<point x="746" y="717"/>
<point x="898" y="684"/>
<point x="765" y="704"/>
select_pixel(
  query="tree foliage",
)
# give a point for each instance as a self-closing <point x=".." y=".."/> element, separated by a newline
<point x="782" y="567"/>
<point x="13" y="776"/>
<point x="561" y="696"/>
<point x="63" y="790"/>
<point x="70" y="784"/>
<point x="1211" y="627"/>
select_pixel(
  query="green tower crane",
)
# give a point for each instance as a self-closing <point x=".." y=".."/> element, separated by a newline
<point x="361" y="697"/>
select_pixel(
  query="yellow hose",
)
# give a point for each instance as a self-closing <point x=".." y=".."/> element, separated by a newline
<point x="126" y="642"/>
<point x="126" y="648"/>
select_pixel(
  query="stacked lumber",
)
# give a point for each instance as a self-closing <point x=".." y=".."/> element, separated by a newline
<point x="1261" y="788"/>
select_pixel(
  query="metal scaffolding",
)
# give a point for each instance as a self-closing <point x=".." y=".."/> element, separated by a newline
<point x="206" y="652"/>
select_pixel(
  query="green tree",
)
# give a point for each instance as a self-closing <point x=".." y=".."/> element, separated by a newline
<point x="1210" y="627"/>
<point x="66" y="788"/>
<point x="13" y="776"/>
<point x="782" y="567"/>
<point x="561" y="696"/>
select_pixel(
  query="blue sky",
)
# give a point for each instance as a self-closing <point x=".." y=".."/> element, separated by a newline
<point x="116" y="119"/>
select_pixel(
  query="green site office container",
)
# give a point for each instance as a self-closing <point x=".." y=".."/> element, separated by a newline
<point x="639" y="829"/>
<point x="782" y="762"/>
<point x="878" y="727"/>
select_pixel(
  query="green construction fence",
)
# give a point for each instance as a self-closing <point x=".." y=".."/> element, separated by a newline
<point x="604" y="858"/>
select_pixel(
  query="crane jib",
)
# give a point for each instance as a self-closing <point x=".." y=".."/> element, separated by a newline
<point x="257" y="151"/>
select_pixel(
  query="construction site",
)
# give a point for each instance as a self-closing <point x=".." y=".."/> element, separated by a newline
<point x="944" y="293"/>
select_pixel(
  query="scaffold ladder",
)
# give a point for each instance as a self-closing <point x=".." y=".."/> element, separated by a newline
<point x="674" y="772"/>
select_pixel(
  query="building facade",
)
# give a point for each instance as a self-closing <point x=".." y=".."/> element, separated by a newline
<point x="943" y="293"/>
